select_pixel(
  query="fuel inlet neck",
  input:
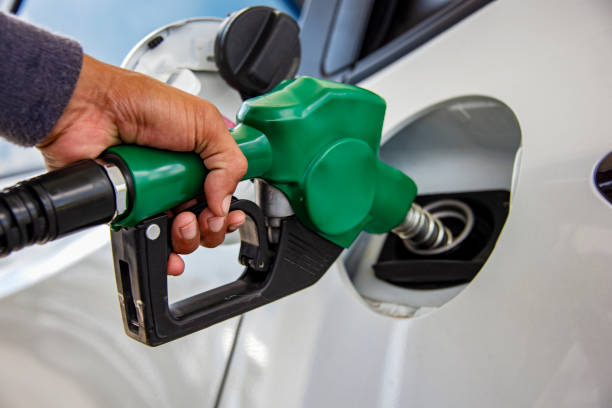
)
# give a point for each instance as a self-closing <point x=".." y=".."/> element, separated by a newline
<point x="424" y="233"/>
<point x="56" y="204"/>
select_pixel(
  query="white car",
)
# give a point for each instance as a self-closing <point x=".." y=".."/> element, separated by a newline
<point x="503" y="104"/>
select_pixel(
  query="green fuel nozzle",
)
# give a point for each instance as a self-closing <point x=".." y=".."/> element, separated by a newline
<point x="314" y="143"/>
<point x="317" y="141"/>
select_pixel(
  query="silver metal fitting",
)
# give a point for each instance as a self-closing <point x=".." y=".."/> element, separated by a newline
<point x="115" y="175"/>
<point x="274" y="205"/>
<point x="153" y="232"/>
<point x="423" y="232"/>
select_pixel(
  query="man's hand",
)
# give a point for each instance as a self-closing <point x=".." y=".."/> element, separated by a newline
<point x="111" y="106"/>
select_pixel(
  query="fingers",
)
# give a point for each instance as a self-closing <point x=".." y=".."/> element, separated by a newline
<point x="185" y="233"/>
<point x="225" y="161"/>
<point x="219" y="185"/>
<point x="211" y="238"/>
<point x="176" y="266"/>
<point x="213" y="231"/>
<point x="188" y="233"/>
<point x="185" y="239"/>
<point x="154" y="114"/>
<point x="234" y="220"/>
<point x="144" y="111"/>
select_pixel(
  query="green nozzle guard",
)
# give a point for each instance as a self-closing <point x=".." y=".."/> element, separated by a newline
<point x="315" y="140"/>
<point x="163" y="179"/>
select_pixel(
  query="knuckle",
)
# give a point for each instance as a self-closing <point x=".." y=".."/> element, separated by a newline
<point x="241" y="165"/>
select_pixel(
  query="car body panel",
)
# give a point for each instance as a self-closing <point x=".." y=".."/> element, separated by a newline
<point x="64" y="337"/>
<point x="532" y="329"/>
<point x="534" y="326"/>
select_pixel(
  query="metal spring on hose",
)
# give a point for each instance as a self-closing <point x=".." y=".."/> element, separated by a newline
<point x="423" y="232"/>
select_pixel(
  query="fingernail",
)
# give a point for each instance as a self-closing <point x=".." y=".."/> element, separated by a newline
<point x="189" y="231"/>
<point x="216" y="223"/>
<point x="241" y="220"/>
<point x="233" y="228"/>
<point x="227" y="201"/>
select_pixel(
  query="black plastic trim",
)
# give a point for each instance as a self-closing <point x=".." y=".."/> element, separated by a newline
<point x="299" y="260"/>
<point x="400" y="267"/>
<point x="415" y="37"/>
<point x="603" y="177"/>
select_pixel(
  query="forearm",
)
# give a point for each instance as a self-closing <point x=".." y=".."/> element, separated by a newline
<point x="38" y="73"/>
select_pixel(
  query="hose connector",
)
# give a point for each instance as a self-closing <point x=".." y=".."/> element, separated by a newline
<point x="55" y="204"/>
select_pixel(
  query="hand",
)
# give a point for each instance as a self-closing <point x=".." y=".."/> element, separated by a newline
<point x="111" y="105"/>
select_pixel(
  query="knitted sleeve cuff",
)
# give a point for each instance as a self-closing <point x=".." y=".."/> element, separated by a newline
<point x="38" y="73"/>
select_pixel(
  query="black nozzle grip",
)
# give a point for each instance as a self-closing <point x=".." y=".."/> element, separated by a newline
<point x="300" y="259"/>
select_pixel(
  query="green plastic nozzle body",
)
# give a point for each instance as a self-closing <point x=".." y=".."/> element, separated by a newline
<point x="315" y="140"/>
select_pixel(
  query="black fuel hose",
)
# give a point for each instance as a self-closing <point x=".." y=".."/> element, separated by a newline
<point x="55" y="204"/>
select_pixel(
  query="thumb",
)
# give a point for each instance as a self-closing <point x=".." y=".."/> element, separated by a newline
<point x="225" y="162"/>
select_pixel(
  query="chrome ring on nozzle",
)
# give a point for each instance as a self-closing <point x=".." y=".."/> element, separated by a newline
<point x="120" y="186"/>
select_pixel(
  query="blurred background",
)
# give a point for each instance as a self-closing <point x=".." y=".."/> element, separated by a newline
<point x="107" y="30"/>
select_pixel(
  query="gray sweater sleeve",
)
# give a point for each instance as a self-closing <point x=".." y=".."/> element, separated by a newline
<point x="38" y="73"/>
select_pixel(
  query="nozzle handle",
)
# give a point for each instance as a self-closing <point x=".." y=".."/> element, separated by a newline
<point x="159" y="180"/>
<point x="141" y="255"/>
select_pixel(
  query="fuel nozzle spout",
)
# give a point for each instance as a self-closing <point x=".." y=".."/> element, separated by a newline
<point x="424" y="233"/>
<point x="55" y="204"/>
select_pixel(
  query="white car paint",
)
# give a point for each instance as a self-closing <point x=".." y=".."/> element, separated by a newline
<point x="532" y="329"/>
<point x="535" y="325"/>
